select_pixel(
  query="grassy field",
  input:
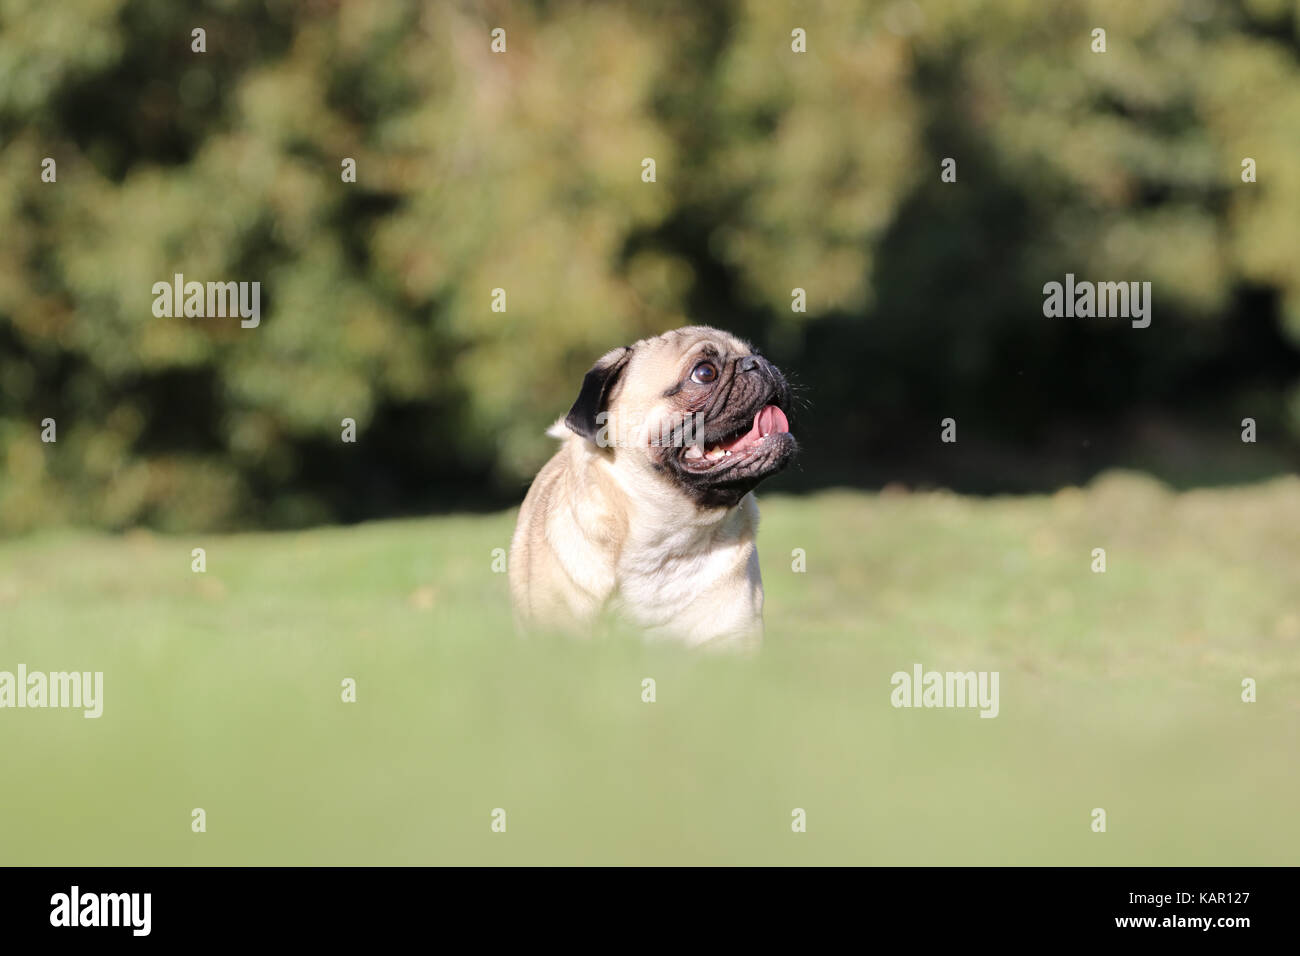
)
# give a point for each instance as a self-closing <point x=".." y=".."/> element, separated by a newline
<point x="1119" y="690"/>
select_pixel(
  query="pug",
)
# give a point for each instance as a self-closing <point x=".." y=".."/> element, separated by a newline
<point x="648" y="509"/>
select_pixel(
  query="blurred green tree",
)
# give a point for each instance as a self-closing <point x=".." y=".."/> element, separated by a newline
<point x="521" y="171"/>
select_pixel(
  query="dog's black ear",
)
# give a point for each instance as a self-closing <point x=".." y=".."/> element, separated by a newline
<point x="594" y="395"/>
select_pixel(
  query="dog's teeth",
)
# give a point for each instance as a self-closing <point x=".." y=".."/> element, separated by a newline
<point x="728" y="454"/>
<point x="715" y="454"/>
<point x="694" y="451"/>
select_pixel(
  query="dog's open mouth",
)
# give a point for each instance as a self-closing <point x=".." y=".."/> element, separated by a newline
<point x="741" y="443"/>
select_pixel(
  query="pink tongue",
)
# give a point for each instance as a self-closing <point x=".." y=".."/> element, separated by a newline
<point x="769" y="419"/>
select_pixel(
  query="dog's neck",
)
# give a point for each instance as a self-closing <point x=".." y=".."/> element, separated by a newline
<point x="662" y="516"/>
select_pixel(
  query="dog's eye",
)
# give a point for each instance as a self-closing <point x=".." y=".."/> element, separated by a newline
<point x="705" y="373"/>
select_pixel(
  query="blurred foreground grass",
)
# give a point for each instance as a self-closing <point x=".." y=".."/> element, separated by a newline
<point x="1118" y="690"/>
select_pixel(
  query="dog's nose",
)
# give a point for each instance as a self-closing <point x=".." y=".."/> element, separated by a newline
<point x="749" y="363"/>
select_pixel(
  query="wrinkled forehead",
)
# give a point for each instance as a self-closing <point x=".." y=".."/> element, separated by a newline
<point x="697" y="340"/>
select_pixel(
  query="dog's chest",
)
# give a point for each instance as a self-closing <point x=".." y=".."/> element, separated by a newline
<point x="684" y="575"/>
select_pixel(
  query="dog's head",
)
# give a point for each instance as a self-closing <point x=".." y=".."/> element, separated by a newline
<point x="697" y="406"/>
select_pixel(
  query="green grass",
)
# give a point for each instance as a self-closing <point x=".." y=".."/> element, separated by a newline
<point x="1118" y="690"/>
